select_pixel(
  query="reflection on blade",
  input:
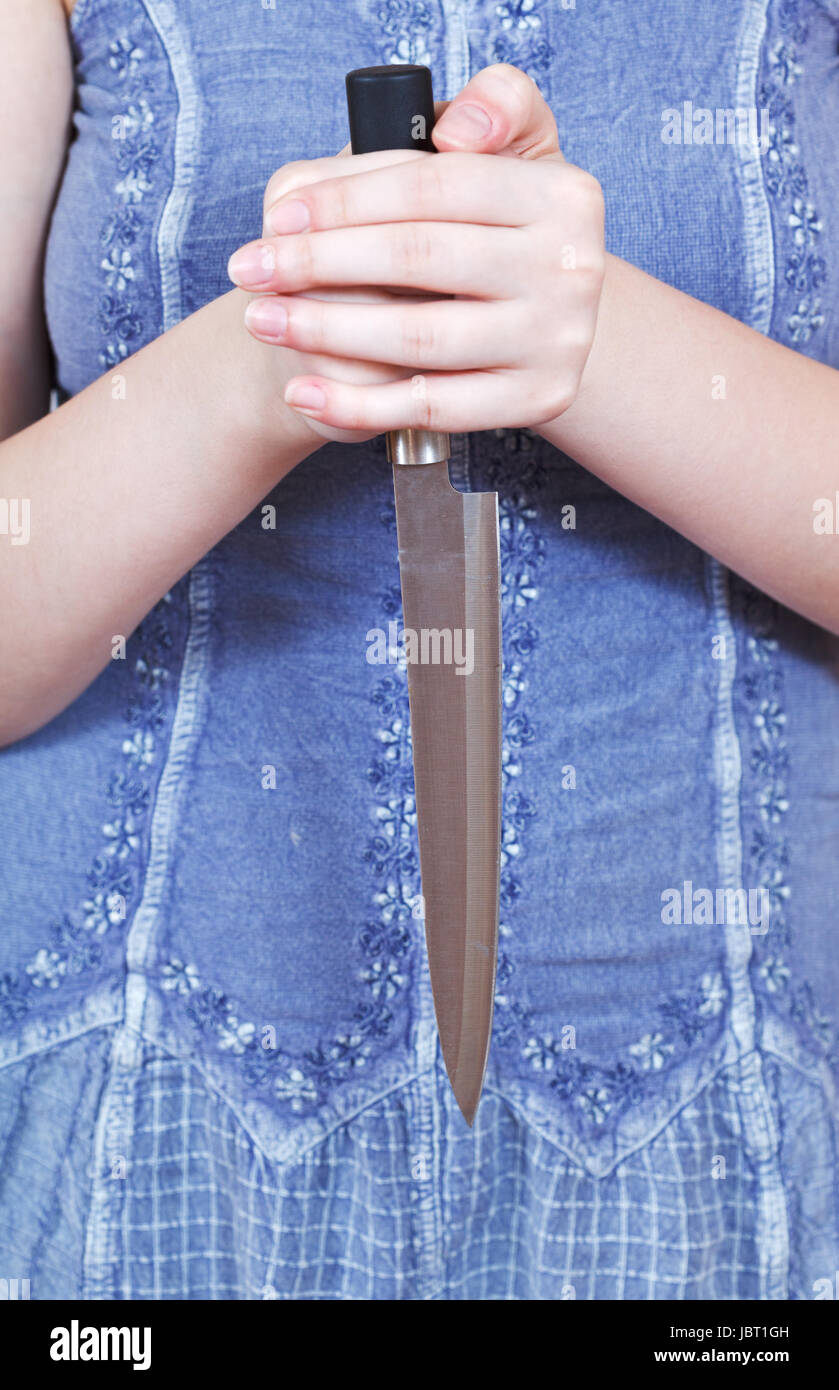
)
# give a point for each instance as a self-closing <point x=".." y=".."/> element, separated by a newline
<point x="448" y="558"/>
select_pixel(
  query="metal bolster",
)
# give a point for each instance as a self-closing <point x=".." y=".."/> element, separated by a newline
<point x="418" y="446"/>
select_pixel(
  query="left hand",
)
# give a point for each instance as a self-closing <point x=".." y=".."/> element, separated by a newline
<point x="514" y="246"/>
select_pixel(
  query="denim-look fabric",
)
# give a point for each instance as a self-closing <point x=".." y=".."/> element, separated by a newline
<point x="234" y="1088"/>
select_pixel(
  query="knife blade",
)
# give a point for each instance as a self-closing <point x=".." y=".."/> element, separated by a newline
<point x="450" y="577"/>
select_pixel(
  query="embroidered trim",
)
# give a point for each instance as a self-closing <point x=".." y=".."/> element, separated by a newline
<point x="76" y="942"/>
<point x="768" y="850"/>
<point x="387" y="942"/>
<point x="804" y="268"/>
<point x="598" y="1092"/>
<point x="136" y="154"/>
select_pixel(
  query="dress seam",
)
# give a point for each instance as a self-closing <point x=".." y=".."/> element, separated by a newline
<point x="114" y="1126"/>
<point x="759" y="1129"/>
<point x="284" y="1159"/>
<point x="758" y="238"/>
<point x="58" y="1043"/>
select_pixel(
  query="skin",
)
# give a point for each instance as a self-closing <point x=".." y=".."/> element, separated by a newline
<point x="508" y="344"/>
<point x="128" y="487"/>
<point x="607" y="364"/>
<point x="610" y="365"/>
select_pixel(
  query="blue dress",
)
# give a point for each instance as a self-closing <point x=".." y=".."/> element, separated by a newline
<point x="219" y="1070"/>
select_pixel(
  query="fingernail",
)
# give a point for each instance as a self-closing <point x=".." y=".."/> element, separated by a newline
<point x="305" y="397"/>
<point x="288" y="217"/>
<point x="253" y="266"/>
<point x="465" y="122"/>
<point x="267" y="319"/>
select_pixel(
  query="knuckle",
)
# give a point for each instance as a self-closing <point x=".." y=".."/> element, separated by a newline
<point x="514" y="77"/>
<point x="419" y="340"/>
<point x="410" y="249"/>
<point x="558" y="395"/>
<point x="310" y="324"/>
<point x="517" y="89"/>
<point x="281" y="183"/>
<point x="577" y="272"/>
<point x="352" y="418"/>
<point x="338" y="202"/>
<point x="587" y="194"/>
<point x="273" y="191"/>
<point x="301" y="264"/>
<point x="538" y="327"/>
<point x="429" y="184"/>
<point x="556" y="185"/>
<point x="425" y="413"/>
<point x="576" y="266"/>
<point x="591" y="275"/>
<point x="505" y="70"/>
<point x="576" y="191"/>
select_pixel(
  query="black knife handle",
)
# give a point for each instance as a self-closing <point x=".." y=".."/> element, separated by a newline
<point x="390" y="108"/>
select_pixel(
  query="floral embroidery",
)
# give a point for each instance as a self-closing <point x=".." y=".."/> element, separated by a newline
<point x="46" y="969"/>
<point x="387" y="942"/>
<point x="521" y="40"/>
<point x="652" y="1051"/>
<point x="407" y="24"/>
<point x="518" y="14"/>
<point x="688" y="1014"/>
<point x="137" y="152"/>
<point x="390" y="940"/>
<point x="76" y="942"/>
<point x="181" y="978"/>
<point x="804" y="268"/>
<point x="124" y="57"/>
<point x="14" y="1000"/>
<point x="301" y="1082"/>
<point x="764" y="822"/>
<point x="596" y="1092"/>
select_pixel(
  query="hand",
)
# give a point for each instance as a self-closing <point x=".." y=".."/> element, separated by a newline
<point x="511" y="250"/>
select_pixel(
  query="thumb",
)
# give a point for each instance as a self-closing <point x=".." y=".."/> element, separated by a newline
<point x="500" y="111"/>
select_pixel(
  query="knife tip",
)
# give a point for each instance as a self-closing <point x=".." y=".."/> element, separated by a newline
<point x="467" y="1085"/>
<point x="468" y="1108"/>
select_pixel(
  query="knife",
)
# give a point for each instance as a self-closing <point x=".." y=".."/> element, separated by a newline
<point x="450" y="574"/>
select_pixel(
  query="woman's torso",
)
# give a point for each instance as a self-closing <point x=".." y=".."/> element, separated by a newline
<point x="242" y="782"/>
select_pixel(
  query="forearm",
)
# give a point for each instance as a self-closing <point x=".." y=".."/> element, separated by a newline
<point x="725" y="435"/>
<point x="128" y="485"/>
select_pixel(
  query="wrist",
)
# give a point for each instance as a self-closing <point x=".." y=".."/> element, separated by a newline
<point x="564" y="429"/>
<point x="266" y="430"/>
